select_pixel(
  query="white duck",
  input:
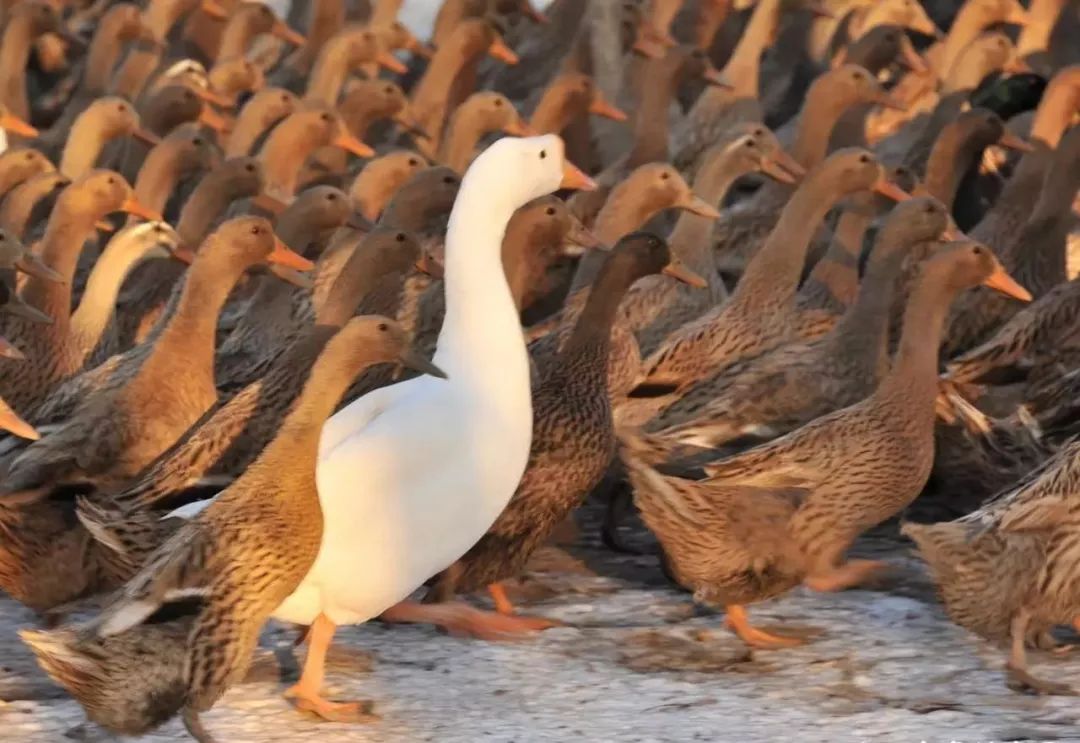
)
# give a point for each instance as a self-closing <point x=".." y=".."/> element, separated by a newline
<point x="411" y="476"/>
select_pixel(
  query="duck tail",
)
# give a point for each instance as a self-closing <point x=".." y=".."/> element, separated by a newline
<point x="128" y="685"/>
<point x="127" y="536"/>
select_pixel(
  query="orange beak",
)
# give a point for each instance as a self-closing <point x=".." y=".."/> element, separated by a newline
<point x="349" y="143"/>
<point x="9" y="351"/>
<point x="209" y="96"/>
<point x="1018" y="16"/>
<point x="428" y="266"/>
<point x="500" y="51"/>
<point x="210" y="118"/>
<point x="390" y="62"/>
<point x="773" y="169"/>
<point x="678" y="271"/>
<point x="283" y="32"/>
<point x="788" y="163"/>
<point x="602" y="107"/>
<point x="14" y="125"/>
<point x="697" y="205"/>
<point x="184" y="255"/>
<point x="573" y="177"/>
<point x="268" y="203"/>
<point x="887" y="188"/>
<point x="953" y="233"/>
<point x="132" y="206"/>
<point x="103" y="225"/>
<point x="282" y="256"/>
<point x="647" y="47"/>
<point x="215" y="11"/>
<point x="517" y="128"/>
<point x="1013" y="142"/>
<point x="412" y="44"/>
<point x="148" y="138"/>
<point x="713" y="76"/>
<point x="1001" y="281"/>
<point x="819" y="9"/>
<point x="911" y="58"/>
<point x="9" y="421"/>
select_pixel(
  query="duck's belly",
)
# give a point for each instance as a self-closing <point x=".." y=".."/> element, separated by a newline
<point x="402" y="501"/>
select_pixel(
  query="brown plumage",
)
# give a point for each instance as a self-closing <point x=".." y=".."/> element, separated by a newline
<point x="849" y="470"/>
<point x="204" y="595"/>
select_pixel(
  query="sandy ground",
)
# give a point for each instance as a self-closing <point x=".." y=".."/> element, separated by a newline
<point x="636" y="662"/>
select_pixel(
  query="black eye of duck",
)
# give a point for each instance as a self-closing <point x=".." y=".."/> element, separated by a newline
<point x="250" y="167"/>
<point x="388" y="90"/>
<point x="498" y="101"/>
<point x="110" y="180"/>
<point x="448" y="180"/>
<point x="864" y="158"/>
<point x="383" y="327"/>
<point x="413" y="162"/>
<point x="665" y="175"/>
<point x="197" y="141"/>
<point x="543" y="154"/>
<point x="325" y="117"/>
<point x="550" y="211"/>
<point x="331" y="196"/>
<point x="400" y="237"/>
<point x="977" y="250"/>
<point x="256" y="230"/>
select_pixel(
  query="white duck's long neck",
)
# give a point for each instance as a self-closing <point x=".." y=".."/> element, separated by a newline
<point x="481" y="336"/>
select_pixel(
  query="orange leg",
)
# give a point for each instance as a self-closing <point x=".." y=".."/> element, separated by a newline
<point x="308" y="691"/>
<point x="739" y="623"/>
<point x="503" y="605"/>
<point x="462" y="620"/>
<point x="850" y="574"/>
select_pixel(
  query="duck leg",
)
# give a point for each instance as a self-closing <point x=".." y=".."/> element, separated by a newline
<point x="308" y="691"/>
<point x="739" y="623"/>
<point x="193" y="724"/>
<point x="462" y="620"/>
<point x="504" y="606"/>
<point x="1016" y="673"/>
<point x="851" y="573"/>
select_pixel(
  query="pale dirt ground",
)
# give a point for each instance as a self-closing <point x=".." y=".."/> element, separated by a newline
<point x="637" y="663"/>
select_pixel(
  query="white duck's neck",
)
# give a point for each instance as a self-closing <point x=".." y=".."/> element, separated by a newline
<point x="481" y="335"/>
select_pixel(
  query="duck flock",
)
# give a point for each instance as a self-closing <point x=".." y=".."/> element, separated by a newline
<point x="307" y="319"/>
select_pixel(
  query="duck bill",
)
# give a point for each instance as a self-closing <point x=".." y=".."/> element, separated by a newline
<point x="133" y="206"/>
<point x="414" y="45"/>
<point x="887" y="188"/>
<point x="517" y="128"/>
<point x="953" y="233"/>
<point x="648" y="48"/>
<point x="11" y="422"/>
<point x="359" y="222"/>
<point x="911" y="58"/>
<point x="408" y="125"/>
<point x="1018" y="16"/>
<point x="534" y="15"/>
<point x="210" y="118"/>
<point x="268" y="203"/>
<point x="413" y="360"/>
<point x="19" y="308"/>
<point x="600" y="106"/>
<point x="349" y="143"/>
<point x="183" y="254"/>
<point x="680" y="272"/>
<point x="574" y="178"/>
<point x="283" y="256"/>
<point x="213" y="9"/>
<point x="885" y="100"/>
<point x="697" y="205"/>
<point x="500" y="51"/>
<point x="286" y="34"/>
<point x="104" y="225"/>
<point x="1013" y="142"/>
<point x="9" y="351"/>
<point x="388" y="61"/>
<point x="819" y="9"/>
<point x="147" y="138"/>
<point x="1001" y="281"/>
<point x="773" y="169"/>
<point x="32" y="265"/>
<point x="789" y="163"/>
<point x="713" y="76"/>
<point x="208" y="96"/>
<point x="12" y="124"/>
<point x="292" y="276"/>
<point x="427" y="265"/>
<point x="583" y="238"/>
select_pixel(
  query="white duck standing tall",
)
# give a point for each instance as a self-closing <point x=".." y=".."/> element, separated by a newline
<point x="412" y="475"/>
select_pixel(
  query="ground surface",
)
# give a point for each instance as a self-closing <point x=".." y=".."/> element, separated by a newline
<point x="637" y="663"/>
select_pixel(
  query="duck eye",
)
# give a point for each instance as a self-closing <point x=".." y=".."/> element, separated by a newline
<point x="400" y="237"/>
<point x="284" y="98"/>
<point x="448" y="180"/>
<point x="121" y="108"/>
<point x="110" y="180"/>
<point x="383" y="327"/>
<point x="412" y="162"/>
<point x="498" y="101"/>
<point x="197" y="141"/>
<point x="864" y="158"/>
<point x="250" y="167"/>
<point x="255" y="230"/>
<point x="388" y="90"/>
<point x="550" y="211"/>
<point x="29" y="155"/>
<point x="331" y="196"/>
<point x="543" y="154"/>
<point x="665" y="175"/>
<point x="749" y="143"/>
<point x="977" y="250"/>
<point x="325" y="117"/>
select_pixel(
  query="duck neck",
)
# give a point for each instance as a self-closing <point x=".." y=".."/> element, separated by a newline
<point x="914" y="372"/>
<point x="67" y="230"/>
<point x="10" y="177"/>
<point x="158" y="177"/>
<point x="481" y="331"/>
<point x="624" y="211"/>
<point x="953" y="154"/>
<point x="743" y="70"/>
<point x="249" y="127"/>
<point x="282" y="158"/>
<point x="554" y="112"/>
<point x="14" y="55"/>
<point x="142" y="59"/>
<point x="327" y="17"/>
<point x="965" y="29"/>
<point x="661" y="77"/>
<point x="190" y="330"/>
<point x="460" y="141"/>
<point x="1042" y="18"/>
<point x="91" y="317"/>
<point x="207" y="202"/>
<point x="690" y="238"/>
<point x="591" y="336"/>
<point x="237" y="35"/>
<point x="865" y="324"/>
<point x="104" y="53"/>
<point x="819" y="115"/>
<point x="433" y="90"/>
<point x="838" y="271"/>
<point x="773" y="274"/>
<point x="328" y="75"/>
<point x="1041" y="262"/>
<point x="160" y="17"/>
<point x="83" y="147"/>
<point x="1055" y="113"/>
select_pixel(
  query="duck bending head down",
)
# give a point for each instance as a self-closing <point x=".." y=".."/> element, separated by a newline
<point x="412" y="475"/>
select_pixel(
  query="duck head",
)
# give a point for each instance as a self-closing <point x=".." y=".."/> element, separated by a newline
<point x="967" y="264"/>
<point x="380" y="178"/>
